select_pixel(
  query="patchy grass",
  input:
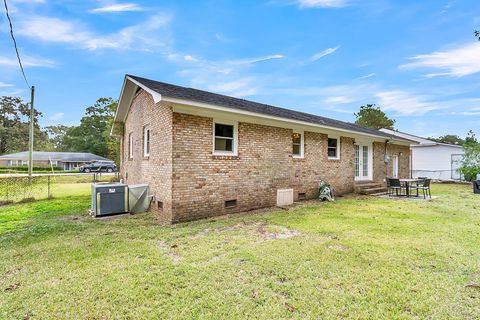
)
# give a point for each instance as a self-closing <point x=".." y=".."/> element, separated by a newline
<point x="358" y="258"/>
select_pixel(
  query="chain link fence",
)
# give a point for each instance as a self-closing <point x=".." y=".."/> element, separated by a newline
<point x="21" y="188"/>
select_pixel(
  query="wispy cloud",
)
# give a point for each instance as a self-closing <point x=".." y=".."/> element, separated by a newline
<point x="231" y="77"/>
<point x="138" y="37"/>
<point x="26" y="62"/>
<point x="321" y="54"/>
<point x="447" y="7"/>
<point x="118" y="7"/>
<point x="404" y="103"/>
<point x="5" y="85"/>
<point x="322" y="3"/>
<point x="458" y="62"/>
<point x="370" y="75"/>
<point x="56" y="116"/>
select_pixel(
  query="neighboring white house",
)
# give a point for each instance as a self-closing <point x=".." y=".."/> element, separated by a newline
<point x="435" y="160"/>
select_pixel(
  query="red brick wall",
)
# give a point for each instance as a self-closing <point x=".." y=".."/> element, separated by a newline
<point x="155" y="170"/>
<point x="382" y="169"/>
<point x="203" y="182"/>
<point x="191" y="183"/>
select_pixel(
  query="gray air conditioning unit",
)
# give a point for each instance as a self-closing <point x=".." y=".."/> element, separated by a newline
<point x="109" y="199"/>
<point x="139" y="198"/>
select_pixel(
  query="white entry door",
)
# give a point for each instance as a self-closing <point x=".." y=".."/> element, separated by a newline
<point x="395" y="167"/>
<point x="363" y="161"/>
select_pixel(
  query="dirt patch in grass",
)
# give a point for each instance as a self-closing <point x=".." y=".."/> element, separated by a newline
<point x="271" y="232"/>
<point x="260" y="229"/>
<point x="71" y="218"/>
<point x="170" y="251"/>
<point x="337" y="247"/>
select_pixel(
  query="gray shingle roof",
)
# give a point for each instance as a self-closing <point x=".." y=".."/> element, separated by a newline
<point x="60" y="156"/>
<point x="179" y="92"/>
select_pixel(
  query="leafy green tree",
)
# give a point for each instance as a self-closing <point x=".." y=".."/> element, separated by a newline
<point x="93" y="133"/>
<point x="14" y="126"/>
<point x="449" y="138"/>
<point x="373" y="117"/>
<point x="60" y="137"/>
<point x="470" y="166"/>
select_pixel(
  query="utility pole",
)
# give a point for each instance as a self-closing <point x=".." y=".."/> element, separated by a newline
<point x="30" y="144"/>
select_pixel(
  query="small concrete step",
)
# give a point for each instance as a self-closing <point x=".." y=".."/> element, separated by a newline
<point x="378" y="194"/>
<point x="373" y="190"/>
<point x="369" y="187"/>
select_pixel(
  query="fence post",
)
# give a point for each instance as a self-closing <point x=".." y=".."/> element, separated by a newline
<point x="48" y="179"/>
<point x="94" y="178"/>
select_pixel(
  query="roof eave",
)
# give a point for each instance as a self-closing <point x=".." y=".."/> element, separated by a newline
<point x="127" y="94"/>
<point x="260" y="115"/>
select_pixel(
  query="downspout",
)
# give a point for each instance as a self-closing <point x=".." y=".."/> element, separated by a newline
<point x="386" y="158"/>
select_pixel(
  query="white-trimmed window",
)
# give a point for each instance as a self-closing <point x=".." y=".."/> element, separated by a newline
<point x="333" y="148"/>
<point x="225" y="138"/>
<point x="54" y="163"/>
<point x="130" y="145"/>
<point x="146" y="142"/>
<point x="297" y="144"/>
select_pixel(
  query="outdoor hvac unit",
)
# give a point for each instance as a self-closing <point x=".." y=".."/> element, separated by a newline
<point x="109" y="199"/>
<point x="138" y="198"/>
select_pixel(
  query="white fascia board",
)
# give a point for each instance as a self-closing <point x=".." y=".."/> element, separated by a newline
<point x="126" y="97"/>
<point x="157" y="97"/>
<point x="295" y="123"/>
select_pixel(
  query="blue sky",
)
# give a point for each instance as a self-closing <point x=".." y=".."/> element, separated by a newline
<point x="417" y="60"/>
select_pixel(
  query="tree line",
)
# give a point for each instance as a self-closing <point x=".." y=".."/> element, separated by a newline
<point x="91" y="135"/>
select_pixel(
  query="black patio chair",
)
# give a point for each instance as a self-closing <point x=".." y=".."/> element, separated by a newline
<point x="396" y="185"/>
<point x="389" y="190"/>
<point x="421" y="180"/>
<point x="425" y="187"/>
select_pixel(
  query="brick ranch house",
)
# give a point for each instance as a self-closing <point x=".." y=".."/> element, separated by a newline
<point x="205" y="154"/>
<point x="65" y="160"/>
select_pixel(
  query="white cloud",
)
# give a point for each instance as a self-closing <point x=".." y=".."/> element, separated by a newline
<point x="259" y="59"/>
<point x="339" y="100"/>
<point x="26" y="62"/>
<point x="370" y="75"/>
<point x="190" y="58"/>
<point x="404" y="103"/>
<point x="56" y="116"/>
<point x="138" y="37"/>
<point x="227" y="76"/>
<point x="238" y="88"/>
<point x="458" y="62"/>
<point x="322" y="3"/>
<point x="319" y="55"/>
<point x="118" y="7"/>
<point x="4" y="85"/>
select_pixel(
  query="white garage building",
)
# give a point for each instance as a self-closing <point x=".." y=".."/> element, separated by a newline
<point x="435" y="160"/>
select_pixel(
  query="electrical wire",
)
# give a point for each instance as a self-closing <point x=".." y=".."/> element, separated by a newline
<point x="15" y="43"/>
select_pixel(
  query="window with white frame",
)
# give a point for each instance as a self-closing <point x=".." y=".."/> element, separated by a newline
<point x="334" y="148"/>
<point x="146" y="142"/>
<point x="54" y="163"/>
<point x="130" y="145"/>
<point x="225" y="136"/>
<point x="297" y="145"/>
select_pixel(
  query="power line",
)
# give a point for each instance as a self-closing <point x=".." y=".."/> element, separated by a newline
<point x="15" y="43"/>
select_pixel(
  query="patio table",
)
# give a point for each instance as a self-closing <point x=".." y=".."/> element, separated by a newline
<point x="407" y="185"/>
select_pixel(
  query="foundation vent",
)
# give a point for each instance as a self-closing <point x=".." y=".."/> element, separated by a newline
<point x="284" y="197"/>
<point x="231" y="203"/>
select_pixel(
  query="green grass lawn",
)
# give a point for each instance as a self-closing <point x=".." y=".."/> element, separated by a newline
<point x="357" y="258"/>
